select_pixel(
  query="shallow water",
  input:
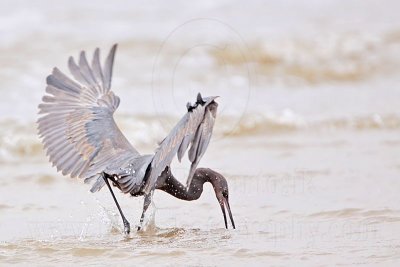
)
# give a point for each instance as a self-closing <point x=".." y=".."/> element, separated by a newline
<point x="307" y="199"/>
<point x="307" y="134"/>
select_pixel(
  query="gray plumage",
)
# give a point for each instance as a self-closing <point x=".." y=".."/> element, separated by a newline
<point x="82" y="139"/>
<point x="178" y="140"/>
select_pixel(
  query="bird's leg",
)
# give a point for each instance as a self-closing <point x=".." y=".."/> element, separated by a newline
<point x="146" y="204"/>
<point x="127" y="227"/>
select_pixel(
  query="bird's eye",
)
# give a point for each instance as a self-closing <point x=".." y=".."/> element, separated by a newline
<point x="225" y="193"/>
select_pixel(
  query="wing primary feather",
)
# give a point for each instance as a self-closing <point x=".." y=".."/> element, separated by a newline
<point x="52" y="90"/>
<point x="96" y="67"/>
<point x="195" y="143"/>
<point x="76" y="72"/>
<point x="85" y="69"/>
<point x="183" y="147"/>
<point x="195" y="161"/>
<point x="77" y="127"/>
<point x="108" y="68"/>
<point x="52" y="80"/>
<point x="63" y="82"/>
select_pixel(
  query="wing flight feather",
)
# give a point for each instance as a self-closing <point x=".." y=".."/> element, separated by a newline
<point x="194" y="129"/>
<point x="77" y="128"/>
<point x="81" y="138"/>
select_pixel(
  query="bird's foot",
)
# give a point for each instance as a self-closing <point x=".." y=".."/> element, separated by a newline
<point x="140" y="226"/>
<point x="127" y="228"/>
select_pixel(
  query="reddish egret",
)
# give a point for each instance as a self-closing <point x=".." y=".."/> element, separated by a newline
<point x="82" y="139"/>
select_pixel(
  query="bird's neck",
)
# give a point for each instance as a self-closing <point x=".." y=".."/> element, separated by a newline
<point x="168" y="183"/>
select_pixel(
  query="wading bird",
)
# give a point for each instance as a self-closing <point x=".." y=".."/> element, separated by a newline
<point x="82" y="140"/>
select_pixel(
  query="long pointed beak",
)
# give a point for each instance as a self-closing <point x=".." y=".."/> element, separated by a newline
<point x="225" y="204"/>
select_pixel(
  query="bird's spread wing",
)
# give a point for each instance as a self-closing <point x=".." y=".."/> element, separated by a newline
<point x="77" y="127"/>
<point x="193" y="129"/>
<point x="200" y="143"/>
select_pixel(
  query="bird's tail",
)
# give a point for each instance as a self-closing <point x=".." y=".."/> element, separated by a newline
<point x="98" y="184"/>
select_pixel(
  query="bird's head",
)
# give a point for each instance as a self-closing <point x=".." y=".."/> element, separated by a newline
<point x="221" y="189"/>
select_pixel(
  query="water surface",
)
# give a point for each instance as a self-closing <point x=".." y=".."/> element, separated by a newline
<point x="307" y="134"/>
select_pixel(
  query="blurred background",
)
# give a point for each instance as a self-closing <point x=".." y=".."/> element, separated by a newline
<point x="307" y="132"/>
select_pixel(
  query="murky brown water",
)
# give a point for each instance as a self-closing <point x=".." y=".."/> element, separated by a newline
<point x="307" y="135"/>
